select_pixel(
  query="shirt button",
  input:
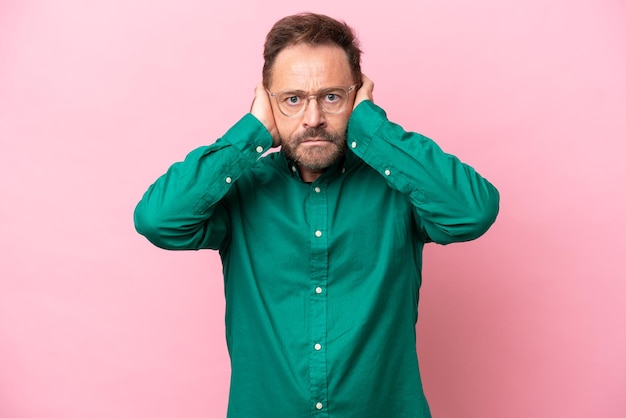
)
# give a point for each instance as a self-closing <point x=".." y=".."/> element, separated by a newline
<point x="343" y="170"/>
<point x="293" y="168"/>
<point x="319" y="405"/>
<point x="318" y="233"/>
<point x="318" y="290"/>
<point x="353" y="145"/>
<point x="317" y="347"/>
<point x="228" y="180"/>
<point x="317" y="189"/>
<point x="387" y="172"/>
<point x="259" y="149"/>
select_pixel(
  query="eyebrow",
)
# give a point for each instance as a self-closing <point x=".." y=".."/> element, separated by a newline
<point x="294" y="91"/>
<point x="306" y="92"/>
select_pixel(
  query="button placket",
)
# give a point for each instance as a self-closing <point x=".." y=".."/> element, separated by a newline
<point x="317" y="209"/>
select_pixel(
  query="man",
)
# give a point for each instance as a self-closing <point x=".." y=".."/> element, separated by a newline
<point x="321" y="243"/>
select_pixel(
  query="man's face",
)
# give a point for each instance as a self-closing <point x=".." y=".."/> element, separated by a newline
<point x="315" y="139"/>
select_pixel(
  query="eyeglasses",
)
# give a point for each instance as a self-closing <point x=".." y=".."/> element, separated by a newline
<point x="332" y="100"/>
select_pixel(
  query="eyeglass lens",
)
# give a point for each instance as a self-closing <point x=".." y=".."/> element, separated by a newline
<point x="332" y="100"/>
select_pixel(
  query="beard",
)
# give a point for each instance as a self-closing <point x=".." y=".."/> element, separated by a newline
<point x="318" y="157"/>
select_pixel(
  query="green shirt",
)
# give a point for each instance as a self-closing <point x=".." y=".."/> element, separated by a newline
<point x="321" y="279"/>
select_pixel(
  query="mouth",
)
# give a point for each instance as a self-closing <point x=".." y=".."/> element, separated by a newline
<point x="315" y="140"/>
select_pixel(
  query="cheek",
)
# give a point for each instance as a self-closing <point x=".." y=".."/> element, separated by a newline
<point x="286" y="126"/>
<point x="339" y="125"/>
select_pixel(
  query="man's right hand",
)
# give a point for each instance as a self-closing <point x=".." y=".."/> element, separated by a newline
<point x="262" y="110"/>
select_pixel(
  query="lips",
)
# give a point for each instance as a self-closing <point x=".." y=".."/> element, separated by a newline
<point x="316" y="136"/>
<point x="315" y="140"/>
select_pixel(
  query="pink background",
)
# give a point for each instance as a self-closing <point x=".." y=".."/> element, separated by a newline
<point x="98" y="98"/>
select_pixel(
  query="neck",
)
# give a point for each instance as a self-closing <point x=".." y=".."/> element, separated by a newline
<point x="308" y="175"/>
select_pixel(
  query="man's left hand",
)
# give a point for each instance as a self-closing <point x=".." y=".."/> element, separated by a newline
<point x="365" y="92"/>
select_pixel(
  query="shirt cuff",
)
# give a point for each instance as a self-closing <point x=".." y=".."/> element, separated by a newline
<point x="363" y="125"/>
<point x="249" y="136"/>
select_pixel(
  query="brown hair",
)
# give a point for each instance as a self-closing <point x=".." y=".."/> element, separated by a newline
<point x="312" y="29"/>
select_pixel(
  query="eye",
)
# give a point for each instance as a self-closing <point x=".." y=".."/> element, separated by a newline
<point x="292" y="100"/>
<point x="333" y="97"/>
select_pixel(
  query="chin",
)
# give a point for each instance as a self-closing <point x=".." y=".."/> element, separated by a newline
<point x="320" y="159"/>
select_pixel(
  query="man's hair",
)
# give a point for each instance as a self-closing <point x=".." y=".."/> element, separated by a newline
<point x="311" y="29"/>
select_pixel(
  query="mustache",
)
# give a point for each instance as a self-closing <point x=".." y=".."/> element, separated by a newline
<point x="317" y="133"/>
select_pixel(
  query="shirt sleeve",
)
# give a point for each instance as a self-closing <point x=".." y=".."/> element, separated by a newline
<point x="451" y="201"/>
<point x="183" y="209"/>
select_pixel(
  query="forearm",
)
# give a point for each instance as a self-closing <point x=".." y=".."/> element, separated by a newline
<point x="453" y="202"/>
<point x="181" y="209"/>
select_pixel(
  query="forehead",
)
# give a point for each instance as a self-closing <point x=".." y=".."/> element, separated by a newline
<point x="308" y="68"/>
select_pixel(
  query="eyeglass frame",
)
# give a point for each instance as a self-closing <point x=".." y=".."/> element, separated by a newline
<point x="308" y="97"/>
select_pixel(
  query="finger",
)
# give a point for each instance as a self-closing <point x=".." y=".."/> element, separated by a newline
<point x="367" y="84"/>
<point x="256" y="94"/>
<point x="365" y="91"/>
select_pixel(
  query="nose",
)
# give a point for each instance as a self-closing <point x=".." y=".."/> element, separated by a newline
<point x="313" y="116"/>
